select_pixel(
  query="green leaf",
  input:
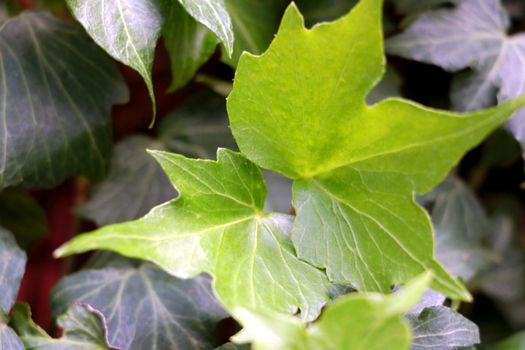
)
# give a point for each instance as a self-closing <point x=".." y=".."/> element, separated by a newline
<point x="254" y="25"/>
<point x="84" y="329"/>
<point x="22" y="215"/>
<point x="135" y="184"/>
<point x="357" y="321"/>
<point x="13" y="266"/>
<point x="217" y="226"/>
<point x="188" y="42"/>
<point x="145" y="306"/>
<point x="56" y="92"/>
<point x="440" y="327"/>
<point x="213" y="15"/>
<point x="515" y="342"/>
<point x="127" y="30"/>
<point x="355" y="167"/>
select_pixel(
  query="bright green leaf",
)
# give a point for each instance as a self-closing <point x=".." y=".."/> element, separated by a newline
<point x="440" y="327"/>
<point x="356" y="167"/>
<point x="188" y="42"/>
<point x="84" y="329"/>
<point x="217" y="226"/>
<point x="56" y="93"/>
<point x="357" y="321"/>
<point x="254" y="25"/>
<point x="145" y="306"/>
<point x="22" y="215"/>
<point x="135" y="184"/>
<point x="127" y="30"/>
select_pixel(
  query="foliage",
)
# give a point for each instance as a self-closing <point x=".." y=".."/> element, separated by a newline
<point x="312" y="201"/>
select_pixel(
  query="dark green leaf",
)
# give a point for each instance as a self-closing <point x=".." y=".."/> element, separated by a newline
<point x="127" y="30"/>
<point x="255" y="23"/>
<point x="135" y="184"/>
<point x="84" y="329"/>
<point x="22" y="215"/>
<point x="441" y="328"/>
<point x="188" y="42"/>
<point x="56" y="92"/>
<point x="12" y="269"/>
<point x="145" y="307"/>
<point x="315" y="11"/>
<point x="516" y="342"/>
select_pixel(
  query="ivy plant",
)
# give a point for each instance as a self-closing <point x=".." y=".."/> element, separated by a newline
<point x="287" y="193"/>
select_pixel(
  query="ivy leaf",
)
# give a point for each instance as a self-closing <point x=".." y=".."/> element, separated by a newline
<point x="13" y="265"/>
<point x="188" y="42"/>
<point x="355" y="167"/>
<point x="440" y="327"/>
<point x="472" y="35"/>
<point x="134" y="186"/>
<point x="461" y="227"/>
<point x="145" y="306"/>
<point x="217" y="226"/>
<point x="254" y="25"/>
<point x="375" y="322"/>
<point x="84" y="329"/>
<point x="214" y="15"/>
<point x="21" y="215"/>
<point x="127" y="30"/>
<point x="60" y="87"/>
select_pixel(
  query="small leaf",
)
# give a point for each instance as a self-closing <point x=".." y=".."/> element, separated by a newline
<point x="217" y="226"/>
<point x="13" y="266"/>
<point x="355" y="167"/>
<point x="22" y="215"/>
<point x="214" y="15"/>
<point x="84" y="329"/>
<point x="188" y="42"/>
<point x="135" y="184"/>
<point x="60" y="87"/>
<point x="144" y="306"/>
<point x="254" y="25"/>
<point x="127" y="30"/>
<point x="357" y="321"/>
<point x="440" y="327"/>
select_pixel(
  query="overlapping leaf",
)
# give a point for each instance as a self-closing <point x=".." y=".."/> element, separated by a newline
<point x="84" y="329"/>
<point x="217" y="225"/>
<point x="440" y="327"/>
<point x="135" y="184"/>
<point x="144" y="306"/>
<point x="254" y="24"/>
<point x="355" y="167"/>
<point x="188" y="42"/>
<point x="472" y="35"/>
<point x="357" y="321"/>
<point x="56" y="91"/>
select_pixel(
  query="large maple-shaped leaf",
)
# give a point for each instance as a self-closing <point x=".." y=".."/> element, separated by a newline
<point x="144" y="306"/>
<point x="217" y="225"/>
<point x="299" y="109"/>
<point x="356" y="321"/>
<point x="56" y="92"/>
<point x="472" y="35"/>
